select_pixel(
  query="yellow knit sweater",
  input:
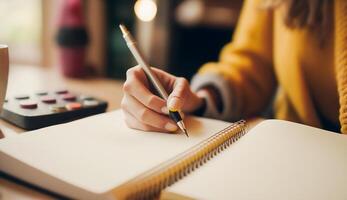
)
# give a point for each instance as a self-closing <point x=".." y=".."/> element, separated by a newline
<point x="266" y="57"/>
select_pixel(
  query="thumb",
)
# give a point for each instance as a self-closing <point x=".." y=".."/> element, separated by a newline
<point x="177" y="97"/>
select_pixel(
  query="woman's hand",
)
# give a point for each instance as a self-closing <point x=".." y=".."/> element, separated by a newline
<point x="145" y="111"/>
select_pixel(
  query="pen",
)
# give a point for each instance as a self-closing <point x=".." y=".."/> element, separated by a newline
<point x="174" y="114"/>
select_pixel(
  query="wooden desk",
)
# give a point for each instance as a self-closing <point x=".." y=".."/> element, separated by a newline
<point x="28" y="79"/>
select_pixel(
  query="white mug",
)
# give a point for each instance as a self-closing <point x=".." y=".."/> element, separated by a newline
<point x="4" y="66"/>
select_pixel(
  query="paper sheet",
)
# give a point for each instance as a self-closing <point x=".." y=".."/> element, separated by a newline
<point x="100" y="152"/>
<point x="275" y="160"/>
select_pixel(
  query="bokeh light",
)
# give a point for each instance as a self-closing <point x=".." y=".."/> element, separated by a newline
<point x="145" y="10"/>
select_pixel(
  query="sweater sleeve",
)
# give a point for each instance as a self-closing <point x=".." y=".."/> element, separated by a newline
<point x="244" y="74"/>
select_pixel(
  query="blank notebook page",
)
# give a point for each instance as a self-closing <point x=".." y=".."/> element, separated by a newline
<point x="100" y="152"/>
<point x="275" y="160"/>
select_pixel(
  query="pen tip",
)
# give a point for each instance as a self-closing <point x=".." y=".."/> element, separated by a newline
<point x="185" y="132"/>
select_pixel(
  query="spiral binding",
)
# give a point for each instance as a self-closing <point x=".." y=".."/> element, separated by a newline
<point x="150" y="184"/>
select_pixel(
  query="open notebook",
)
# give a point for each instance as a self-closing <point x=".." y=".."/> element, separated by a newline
<point x="100" y="158"/>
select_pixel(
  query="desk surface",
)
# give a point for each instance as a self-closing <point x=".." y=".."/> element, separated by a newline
<point x="27" y="79"/>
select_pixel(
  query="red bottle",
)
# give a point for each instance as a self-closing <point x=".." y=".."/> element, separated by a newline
<point x="72" y="39"/>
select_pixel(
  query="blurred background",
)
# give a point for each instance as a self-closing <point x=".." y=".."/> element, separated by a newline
<point x="177" y="35"/>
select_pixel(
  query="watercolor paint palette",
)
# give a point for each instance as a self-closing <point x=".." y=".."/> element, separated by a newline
<point x="45" y="108"/>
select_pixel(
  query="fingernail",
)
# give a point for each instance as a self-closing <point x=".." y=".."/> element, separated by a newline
<point x="170" y="127"/>
<point x="165" y="110"/>
<point x="172" y="104"/>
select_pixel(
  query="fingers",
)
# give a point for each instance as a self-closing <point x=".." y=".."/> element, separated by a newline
<point x="140" y="117"/>
<point x="165" y="78"/>
<point x="144" y="110"/>
<point x="183" y="98"/>
<point x="132" y="122"/>
<point x="136" y="85"/>
<point x="177" y="97"/>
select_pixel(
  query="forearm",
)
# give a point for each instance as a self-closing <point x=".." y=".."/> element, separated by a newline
<point x="243" y="78"/>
